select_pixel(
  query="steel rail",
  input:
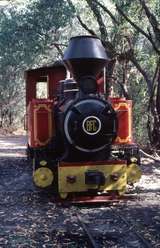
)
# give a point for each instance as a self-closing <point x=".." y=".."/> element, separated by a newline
<point x="132" y="227"/>
<point x="87" y="231"/>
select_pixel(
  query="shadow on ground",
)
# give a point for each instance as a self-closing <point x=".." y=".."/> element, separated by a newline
<point x="31" y="218"/>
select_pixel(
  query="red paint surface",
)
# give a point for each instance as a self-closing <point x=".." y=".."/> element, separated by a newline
<point x="92" y="163"/>
<point x="38" y="122"/>
<point x="54" y="75"/>
<point x="124" y="113"/>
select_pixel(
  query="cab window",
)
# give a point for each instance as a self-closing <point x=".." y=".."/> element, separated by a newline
<point x="42" y="88"/>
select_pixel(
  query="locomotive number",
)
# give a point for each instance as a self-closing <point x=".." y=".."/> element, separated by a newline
<point x="91" y="125"/>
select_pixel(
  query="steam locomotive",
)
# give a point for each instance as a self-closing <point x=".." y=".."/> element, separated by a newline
<point x="79" y="137"/>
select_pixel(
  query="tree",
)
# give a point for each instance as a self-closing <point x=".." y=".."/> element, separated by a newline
<point x="152" y="34"/>
<point x="26" y="36"/>
<point x="132" y="40"/>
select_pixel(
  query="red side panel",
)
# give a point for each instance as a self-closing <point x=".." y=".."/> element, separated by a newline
<point x="123" y="108"/>
<point x="40" y="119"/>
<point x="40" y="122"/>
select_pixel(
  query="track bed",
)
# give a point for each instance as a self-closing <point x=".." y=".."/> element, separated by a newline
<point x="31" y="218"/>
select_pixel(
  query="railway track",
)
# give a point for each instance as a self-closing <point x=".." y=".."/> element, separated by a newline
<point x="132" y="228"/>
<point x="84" y="227"/>
<point x="31" y="219"/>
<point x="91" y="241"/>
<point x="95" y="227"/>
<point x="127" y="236"/>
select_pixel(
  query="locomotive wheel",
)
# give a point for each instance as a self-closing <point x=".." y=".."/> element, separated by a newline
<point x="133" y="173"/>
<point x="122" y="191"/>
<point x="63" y="195"/>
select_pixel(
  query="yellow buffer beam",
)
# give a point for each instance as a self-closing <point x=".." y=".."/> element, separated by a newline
<point x="77" y="173"/>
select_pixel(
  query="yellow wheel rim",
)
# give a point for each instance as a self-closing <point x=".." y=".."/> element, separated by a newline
<point x="43" y="177"/>
<point x="63" y="195"/>
<point x="122" y="191"/>
<point x="133" y="173"/>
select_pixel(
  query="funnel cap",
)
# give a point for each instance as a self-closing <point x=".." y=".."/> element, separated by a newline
<point x="85" y="56"/>
<point x="85" y="47"/>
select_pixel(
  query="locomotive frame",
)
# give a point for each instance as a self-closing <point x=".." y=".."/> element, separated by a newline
<point x="65" y="177"/>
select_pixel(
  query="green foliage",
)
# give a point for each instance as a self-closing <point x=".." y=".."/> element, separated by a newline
<point x="139" y="96"/>
<point x="124" y="37"/>
<point x="26" y="35"/>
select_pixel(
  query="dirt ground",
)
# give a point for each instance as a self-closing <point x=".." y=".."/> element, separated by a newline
<point x="31" y="218"/>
